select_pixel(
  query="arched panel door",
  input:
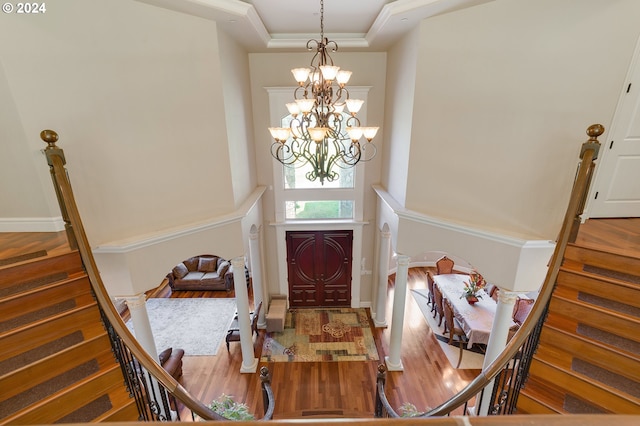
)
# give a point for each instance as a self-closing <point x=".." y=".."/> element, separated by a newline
<point x="319" y="266"/>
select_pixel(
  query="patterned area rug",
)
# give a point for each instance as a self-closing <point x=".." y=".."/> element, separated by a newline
<point x="334" y="334"/>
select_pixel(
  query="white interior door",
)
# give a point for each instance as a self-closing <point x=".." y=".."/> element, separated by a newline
<point x="616" y="188"/>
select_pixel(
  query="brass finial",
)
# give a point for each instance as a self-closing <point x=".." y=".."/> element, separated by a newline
<point x="264" y="374"/>
<point x="50" y="137"/>
<point x="594" y="131"/>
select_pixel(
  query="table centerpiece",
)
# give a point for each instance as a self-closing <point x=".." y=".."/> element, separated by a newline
<point x="473" y="286"/>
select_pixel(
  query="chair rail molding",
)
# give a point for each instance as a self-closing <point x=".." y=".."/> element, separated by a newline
<point x="512" y="263"/>
<point x="141" y="262"/>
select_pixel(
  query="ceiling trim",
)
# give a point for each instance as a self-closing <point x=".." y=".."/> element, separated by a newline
<point x="241" y="20"/>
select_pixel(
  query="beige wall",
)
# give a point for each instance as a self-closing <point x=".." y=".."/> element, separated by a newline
<point x="135" y="93"/>
<point x="400" y="84"/>
<point x="239" y="119"/>
<point x="504" y="94"/>
<point x="22" y="195"/>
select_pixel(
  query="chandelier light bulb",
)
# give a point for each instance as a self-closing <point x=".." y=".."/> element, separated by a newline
<point x="343" y="77"/>
<point x="318" y="133"/>
<point x="301" y="75"/>
<point x="305" y="105"/>
<point x="370" y="132"/>
<point x="354" y="105"/>
<point x="329" y="72"/>
<point x="355" y="133"/>
<point x="280" y="134"/>
<point x="338" y="108"/>
<point x="293" y="108"/>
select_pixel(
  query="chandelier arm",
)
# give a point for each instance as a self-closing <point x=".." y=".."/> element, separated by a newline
<point x="334" y="47"/>
<point x="339" y="93"/>
<point x="353" y="121"/>
<point x="372" y="147"/>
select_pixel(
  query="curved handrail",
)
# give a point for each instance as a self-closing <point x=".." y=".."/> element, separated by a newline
<point x="55" y="158"/>
<point x="588" y="153"/>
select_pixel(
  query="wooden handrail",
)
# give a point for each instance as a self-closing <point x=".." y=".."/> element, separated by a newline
<point x="56" y="161"/>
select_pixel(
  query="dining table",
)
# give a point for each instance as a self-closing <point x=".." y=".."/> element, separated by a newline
<point x="475" y="320"/>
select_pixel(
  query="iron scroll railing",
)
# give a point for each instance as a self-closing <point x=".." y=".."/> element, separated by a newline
<point x="155" y="391"/>
<point x="510" y="368"/>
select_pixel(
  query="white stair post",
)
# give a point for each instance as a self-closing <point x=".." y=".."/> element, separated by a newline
<point x="393" y="361"/>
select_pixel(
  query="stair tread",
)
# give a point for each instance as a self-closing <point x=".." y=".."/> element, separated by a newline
<point x="571" y="382"/>
<point x="71" y="398"/>
<point x="123" y="410"/>
<point x="48" y="367"/>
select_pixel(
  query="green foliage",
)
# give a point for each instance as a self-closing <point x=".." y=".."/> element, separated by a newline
<point x="228" y="408"/>
<point x="319" y="210"/>
<point x="409" y="410"/>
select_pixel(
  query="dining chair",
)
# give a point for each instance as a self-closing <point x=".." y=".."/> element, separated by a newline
<point x="437" y="301"/>
<point x="454" y="329"/>
<point x="430" y="289"/>
<point x="444" y="265"/>
<point x="521" y="310"/>
<point x="494" y="292"/>
<point x="233" y="334"/>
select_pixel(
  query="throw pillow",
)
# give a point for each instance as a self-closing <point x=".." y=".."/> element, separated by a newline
<point x="179" y="271"/>
<point x="222" y="268"/>
<point x="191" y="263"/>
<point x="207" y="264"/>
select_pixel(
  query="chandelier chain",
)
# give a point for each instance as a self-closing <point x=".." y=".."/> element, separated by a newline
<point x="321" y="20"/>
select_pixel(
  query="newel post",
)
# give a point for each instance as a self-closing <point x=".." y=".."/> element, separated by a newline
<point x="589" y="153"/>
<point x="51" y="151"/>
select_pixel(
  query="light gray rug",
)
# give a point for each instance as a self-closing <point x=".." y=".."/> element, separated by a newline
<point x="470" y="360"/>
<point x="196" y="325"/>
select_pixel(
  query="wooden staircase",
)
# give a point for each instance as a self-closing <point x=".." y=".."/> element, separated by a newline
<point x="588" y="358"/>
<point x="56" y="360"/>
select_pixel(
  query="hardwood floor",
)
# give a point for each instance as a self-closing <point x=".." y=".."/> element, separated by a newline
<point x="620" y="235"/>
<point x="303" y="389"/>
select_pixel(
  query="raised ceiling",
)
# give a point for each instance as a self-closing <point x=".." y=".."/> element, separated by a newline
<point x="286" y="25"/>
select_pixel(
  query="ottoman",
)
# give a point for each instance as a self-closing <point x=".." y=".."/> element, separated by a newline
<point x="277" y="313"/>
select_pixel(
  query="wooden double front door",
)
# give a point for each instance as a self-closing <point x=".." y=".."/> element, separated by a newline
<point x="319" y="268"/>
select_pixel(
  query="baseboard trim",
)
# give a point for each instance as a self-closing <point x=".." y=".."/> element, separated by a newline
<point x="31" y="224"/>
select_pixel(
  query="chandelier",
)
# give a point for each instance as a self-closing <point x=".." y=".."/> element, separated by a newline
<point x="321" y="133"/>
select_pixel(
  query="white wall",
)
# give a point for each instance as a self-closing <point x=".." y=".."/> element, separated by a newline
<point x="23" y="189"/>
<point x="504" y="94"/>
<point x="239" y="119"/>
<point x="400" y="84"/>
<point x="135" y="93"/>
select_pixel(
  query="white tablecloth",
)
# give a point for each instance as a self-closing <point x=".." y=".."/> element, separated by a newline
<point x="476" y="320"/>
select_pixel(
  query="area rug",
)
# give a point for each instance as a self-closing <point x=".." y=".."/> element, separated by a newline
<point x="196" y="325"/>
<point x="471" y="359"/>
<point x="332" y="334"/>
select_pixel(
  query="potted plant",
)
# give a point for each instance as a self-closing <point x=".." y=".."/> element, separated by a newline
<point x="473" y="286"/>
<point x="230" y="409"/>
<point x="409" y="410"/>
